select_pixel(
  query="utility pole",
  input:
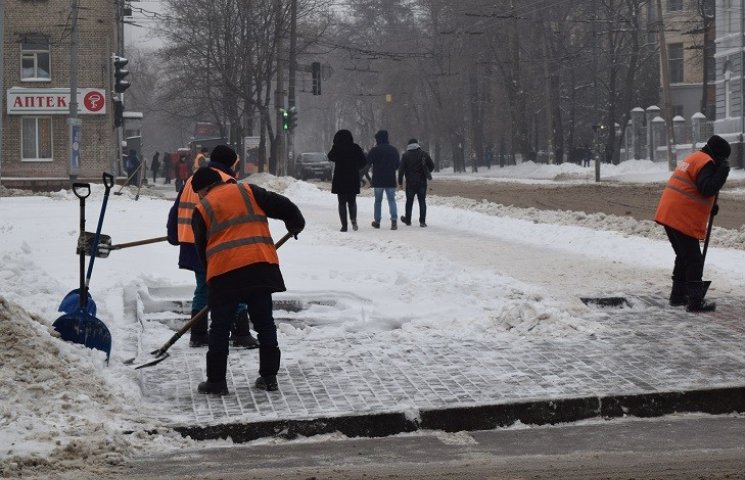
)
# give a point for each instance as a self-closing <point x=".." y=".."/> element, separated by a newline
<point x="742" y="84"/>
<point x="279" y="150"/>
<point x="292" y="74"/>
<point x="73" y="121"/>
<point x="549" y="103"/>
<point x="2" y="83"/>
<point x="671" y="161"/>
<point x="595" y="140"/>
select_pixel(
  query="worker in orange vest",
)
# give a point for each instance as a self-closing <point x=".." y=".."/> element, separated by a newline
<point x="232" y="237"/>
<point x="223" y="160"/>
<point x="200" y="160"/>
<point x="687" y="205"/>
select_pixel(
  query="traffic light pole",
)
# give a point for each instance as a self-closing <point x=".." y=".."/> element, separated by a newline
<point x="73" y="121"/>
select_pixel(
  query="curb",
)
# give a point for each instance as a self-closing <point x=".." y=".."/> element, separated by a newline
<point x="485" y="417"/>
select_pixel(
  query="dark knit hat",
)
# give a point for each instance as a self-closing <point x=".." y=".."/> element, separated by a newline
<point x="412" y="140"/>
<point x="204" y="177"/>
<point x="223" y="154"/>
<point x="718" y="147"/>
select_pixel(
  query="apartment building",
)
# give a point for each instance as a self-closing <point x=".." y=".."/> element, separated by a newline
<point x="41" y="146"/>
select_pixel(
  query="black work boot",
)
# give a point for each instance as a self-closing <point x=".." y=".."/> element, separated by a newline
<point x="240" y="334"/>
<point x="268" y="367"/>
<point x="268" y="384"/>
<point x="405" y="220"/>
<point x="696" y="302"/>
<point x="217" y="367"/>
<point x="679" y="293"/>
<point x="198" y="336"/>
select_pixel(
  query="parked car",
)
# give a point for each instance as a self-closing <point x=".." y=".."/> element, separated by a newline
<point x="313" y="165"/>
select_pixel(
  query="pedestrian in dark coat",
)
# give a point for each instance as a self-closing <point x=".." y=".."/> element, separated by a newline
<point x="155" y="165"/>
<point x="348" y="159"/>
<point x="416" y="167"/>
<point x="384" y="161"/>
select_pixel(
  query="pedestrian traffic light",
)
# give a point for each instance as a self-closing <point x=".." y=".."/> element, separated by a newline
<point x="285" y="119"/>
<point x="291" y="118"/>
<point x="315" y="69"/>
<point x="120" y="84"/>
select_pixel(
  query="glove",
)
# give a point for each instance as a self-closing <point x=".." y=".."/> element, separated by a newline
<point x="715" y="210"/>
<point x="294" y="230"/>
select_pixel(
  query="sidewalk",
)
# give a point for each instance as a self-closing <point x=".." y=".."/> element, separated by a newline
<point x="659" y="360"/>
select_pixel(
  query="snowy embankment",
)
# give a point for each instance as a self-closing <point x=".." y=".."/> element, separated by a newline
<point x="506" y="270"/>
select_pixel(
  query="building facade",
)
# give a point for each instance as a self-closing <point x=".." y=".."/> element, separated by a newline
<point x="39" y="142"/>
<point x="729" y="73"/>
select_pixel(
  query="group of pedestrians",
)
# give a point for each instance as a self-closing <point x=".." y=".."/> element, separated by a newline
<point x="389" y="171"/>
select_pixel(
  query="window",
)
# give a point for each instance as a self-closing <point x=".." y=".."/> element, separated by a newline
<point x="675" y="62"/>
<point x="35" y="59"/>
<point x="36" y="138"/>
<point x="674" y="5"/>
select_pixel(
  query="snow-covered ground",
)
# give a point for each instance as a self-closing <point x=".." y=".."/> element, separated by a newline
<point x="499" y="267"/>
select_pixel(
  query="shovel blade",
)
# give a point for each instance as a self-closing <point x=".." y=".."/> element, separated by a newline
<point x="153" y="361"/>
<point x="85" y="329"/>
<point x="606" y="301"/>
<point x="706" y="286"/>
<point x="71" y="303"/>
<point x="104" y="241"/>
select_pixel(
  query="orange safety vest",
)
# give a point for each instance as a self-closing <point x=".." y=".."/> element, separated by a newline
<point x="237" y="230"/>
<point x="682" y="207"/>
<point x="197" y="162"/>
<point x="189" y="199"/>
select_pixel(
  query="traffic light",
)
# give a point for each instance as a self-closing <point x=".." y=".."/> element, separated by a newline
<point x="120" y="84"/>
<point x="291" y="118"/>
<point x="285" y="119"/>
<point x="315" y="70"/>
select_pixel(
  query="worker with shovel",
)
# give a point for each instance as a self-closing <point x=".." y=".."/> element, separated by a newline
<point x="687" y="205"/>
<point x="223" y="160"/>
<point x="232" y="237"/>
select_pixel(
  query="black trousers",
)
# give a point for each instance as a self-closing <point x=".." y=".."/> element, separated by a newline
<point x="350" y="200"/>
<point x="689" y="262"/>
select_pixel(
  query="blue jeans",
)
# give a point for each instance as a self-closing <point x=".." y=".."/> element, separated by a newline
<point x="199" y="300"/>
<point x="390" y="193"/>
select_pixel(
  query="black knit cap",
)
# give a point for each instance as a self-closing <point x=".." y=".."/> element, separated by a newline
<point x="204" y="177"/>
<point x="223" y="154"/>
<point x="718" y="147"/>
<point x="411" y="140"/>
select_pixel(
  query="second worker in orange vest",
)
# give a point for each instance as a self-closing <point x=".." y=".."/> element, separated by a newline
<point x="687" y="204"/>
<point x="232" y="237"/>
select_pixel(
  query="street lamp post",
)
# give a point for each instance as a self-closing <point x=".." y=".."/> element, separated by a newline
<point x="74" y="122"/>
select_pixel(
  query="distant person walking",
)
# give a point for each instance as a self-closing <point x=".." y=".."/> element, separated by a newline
<point x="348" y="160"/>
<point x="687" y="205"/>
<point x="416" y="167"/>
<point x="384" y="160"/>
<point x="167" y="168"/>
<point x="182" y="173"/>
<point x="155" y="165"/>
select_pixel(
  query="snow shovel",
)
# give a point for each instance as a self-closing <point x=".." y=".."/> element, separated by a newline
<point x="162" y="353"/>
<point x="70" y="302"/>
<point x="706" y="243"/>
<point x="105" y="247"/>
<point x="81" y="326"/>
<point x="126" y="182"/>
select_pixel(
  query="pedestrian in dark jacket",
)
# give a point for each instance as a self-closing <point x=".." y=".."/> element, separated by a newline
<point x="687" y="205"/>
<point x="416" y="167"/>
<point x="222" y="160"/>
<point x="155" y="165"/>
<point x="348" y="159"/>
<point x="384" y="161"/>
<point x="234" y="244"/>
